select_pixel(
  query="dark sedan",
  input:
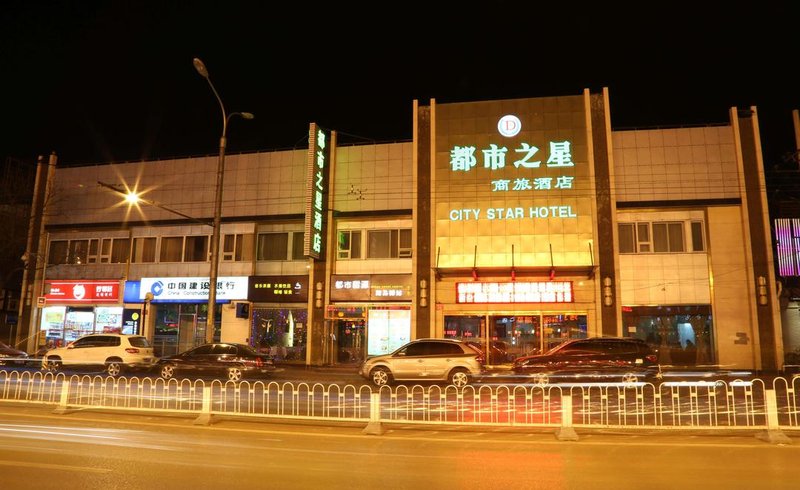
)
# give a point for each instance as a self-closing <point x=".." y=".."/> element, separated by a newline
<point x="10" y="355"/>
<point x="234" y="361"/>
<point x="601" y="358"/>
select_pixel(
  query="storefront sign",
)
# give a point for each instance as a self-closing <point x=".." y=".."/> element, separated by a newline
<point x="277" y="289"/>
<point x="528" y="180"/>
<point x="375" y="287"/>
<point x="316" y="191"/>
<point x="176" y="289"/>
<point x="514" y="292"/>
<point x="131" y="320"/>
<point x="81" y="292"/>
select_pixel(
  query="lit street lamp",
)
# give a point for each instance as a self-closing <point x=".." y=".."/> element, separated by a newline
<point x="212" y="283"/>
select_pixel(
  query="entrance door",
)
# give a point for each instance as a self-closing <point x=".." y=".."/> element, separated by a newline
<point x="350" y="338"/>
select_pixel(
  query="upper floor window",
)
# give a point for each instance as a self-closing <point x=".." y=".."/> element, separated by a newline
<point x="237" y="247"/>
<point x="280" y="246"/>
<point x="389" y="244"/>
<point x="659" y="237"/>
<point x="144" y="250"/>
<point x="348" y="244"/>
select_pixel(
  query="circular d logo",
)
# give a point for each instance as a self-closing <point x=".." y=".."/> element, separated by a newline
<point x="509" y="126"/>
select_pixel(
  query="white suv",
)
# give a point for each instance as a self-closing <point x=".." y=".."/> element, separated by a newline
<point x="425" y="359"/>
<point x="114" y="352"/>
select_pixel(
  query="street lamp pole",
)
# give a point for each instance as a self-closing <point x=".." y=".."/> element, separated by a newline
<point x="212" y="283"/>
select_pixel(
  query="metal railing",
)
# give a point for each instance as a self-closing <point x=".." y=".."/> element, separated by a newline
<point x="755" y="404"/>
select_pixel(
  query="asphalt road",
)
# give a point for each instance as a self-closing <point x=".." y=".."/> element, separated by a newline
<point x="89" y="450"/>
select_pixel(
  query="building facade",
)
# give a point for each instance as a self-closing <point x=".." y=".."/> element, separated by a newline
<point x="518" y="223"/>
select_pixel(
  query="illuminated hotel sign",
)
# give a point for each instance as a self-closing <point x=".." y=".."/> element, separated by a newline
<point x="514" y="292"/>
<point x="271" y="289"/>
<point x="316" y="189"/>
<point x="82" y="291"/>
<point x="513" y="175"/>
<point x="374" y="287"/>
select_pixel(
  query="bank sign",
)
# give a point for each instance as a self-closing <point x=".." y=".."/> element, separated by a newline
<point x="513" y="175"/>
<point x="192" y="289"/>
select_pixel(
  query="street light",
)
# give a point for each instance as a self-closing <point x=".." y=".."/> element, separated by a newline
<point x="212" y="283"/>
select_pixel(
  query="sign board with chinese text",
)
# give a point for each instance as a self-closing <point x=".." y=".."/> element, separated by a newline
<point x="513" y="173"/>
<point x="277" y="289"/>
<point x="192" y="289"/>
<point x="319" y="152"/>
<point x="514" y="292"/>
<point x="371" y="287"/>
<point x="81" y="292"/>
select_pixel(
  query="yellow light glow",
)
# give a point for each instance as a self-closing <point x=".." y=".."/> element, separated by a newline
<point x="132" y="197"/>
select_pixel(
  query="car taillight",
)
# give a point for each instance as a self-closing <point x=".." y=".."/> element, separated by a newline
<point x="259" y="362"/>
<point x="132" y="350"/>
<point x="651" y="357"/>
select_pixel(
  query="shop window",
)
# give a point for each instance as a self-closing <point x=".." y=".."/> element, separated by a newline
<point x="144" y="250"/>
<point x="348" y="244"/>
<point x="58" y="252"/>
<point x="195" y="248"/>
<point x="298" y="250"/>
<point x="681" y="334"/>
<point x="237" y="247"/>
<point x="272" y="246"/>
<point x="78" y="252"/>
<point x="171" y="249"/>
<point x="388" y="244"/>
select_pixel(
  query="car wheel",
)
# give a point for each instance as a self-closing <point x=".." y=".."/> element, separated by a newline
<point x="53" y="364"/>
<point x="541" y="379"/>
<point x="168" y="371"/>
<point x="113" y="368"/>
<point x="380" y="376"/>
<point x="629" y="378"/>
<point x="234" y="374"/>
<point x="459" y="378"/>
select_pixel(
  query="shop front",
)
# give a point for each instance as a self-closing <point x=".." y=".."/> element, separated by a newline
<point x="369" y="315"/>
<point x="517" y="318"/>
<point x="72" y="309"/>
<point x="178" y="308"/>
<point x="279" y="319"/>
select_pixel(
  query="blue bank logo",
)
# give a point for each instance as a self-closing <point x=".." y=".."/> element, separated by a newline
<point x="157" y="288"/>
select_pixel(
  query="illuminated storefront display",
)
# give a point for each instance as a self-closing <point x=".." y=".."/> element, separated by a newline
<point x="78" y="308"/>
<point x="514" y="292"/>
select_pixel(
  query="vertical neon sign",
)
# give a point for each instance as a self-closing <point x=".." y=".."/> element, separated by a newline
<point x="316" y="191"/>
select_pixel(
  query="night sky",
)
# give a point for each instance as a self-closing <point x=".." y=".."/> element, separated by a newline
<point x="114" y="81"/>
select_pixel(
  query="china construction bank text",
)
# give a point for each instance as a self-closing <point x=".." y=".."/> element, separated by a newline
<point x="512" y="213"/>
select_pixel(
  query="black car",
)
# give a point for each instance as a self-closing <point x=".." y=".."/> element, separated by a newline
<point x="234" y="361"/>
<point x="600" y="358"/>
<point x="10" y="355"/>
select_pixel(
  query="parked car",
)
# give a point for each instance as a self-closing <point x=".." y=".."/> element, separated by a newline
<point x="425" y="359"/>
<point x="498" y="354"/>
<point x="10" y="355"/>
<point x="114" y="352"/>
<point x="235" y="361"/>
<point x="622" y="359"/>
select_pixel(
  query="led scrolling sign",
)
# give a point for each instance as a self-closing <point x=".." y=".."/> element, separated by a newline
<point x="514" y="292"/>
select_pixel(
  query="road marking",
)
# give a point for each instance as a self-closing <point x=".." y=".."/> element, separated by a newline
<point x="60" y="467"/>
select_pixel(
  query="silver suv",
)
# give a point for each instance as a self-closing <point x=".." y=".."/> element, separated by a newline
<point x="114" y="352"/>
<point x="425" y="359"/>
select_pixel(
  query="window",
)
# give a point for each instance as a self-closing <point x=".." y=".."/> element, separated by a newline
<point x="92" y="259"/>
<point x="171" y="249"/>
<point x="272" y="246"/>
<point x="668" y="237"/>
<point x="659" y="237"/>
<point x="349" y="244"/>
<point x="298" y="249"/>
<point x="78" y="252"/>
<point x="388" y="244"/>
<point x="195" y="248"/>
<point x="697" y="237"/>
<point x="58" y="252"/>
<point x="120" y="250"/>
<point x="237" y="247"/>
<point x="144" y="250"/>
